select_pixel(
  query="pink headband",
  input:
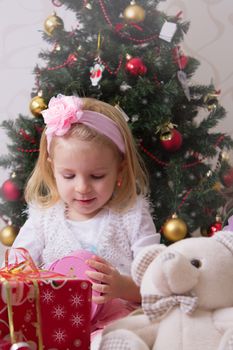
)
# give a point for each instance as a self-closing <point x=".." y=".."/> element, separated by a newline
<point x="66" y="110"/>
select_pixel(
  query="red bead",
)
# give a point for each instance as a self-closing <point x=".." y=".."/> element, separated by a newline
<point x="10" y="191"/>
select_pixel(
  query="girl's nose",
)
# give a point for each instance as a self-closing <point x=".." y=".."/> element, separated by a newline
<point x="82" y="186"/>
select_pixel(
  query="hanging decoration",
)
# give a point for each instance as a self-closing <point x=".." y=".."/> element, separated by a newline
<point x="37" y="105"/>
<point x="135" y="67"/>
<point x="57" y="3"/>
<point x="181" y="60"/>
<point x="10" y="191"/>
<point x="134" y="13"/>
<point x="8" y="235"/>
<point x="53" y="23"/>
<point x="215" y="227"/>
<point x="125" y="35"/>
<point x="211" y="100"/>
<point x="174" y="229"/>
<point x="71" y="59"/>
<point x="96" y="72"/>
<point x="170" y="138"/>
<point x="227" y="178"/>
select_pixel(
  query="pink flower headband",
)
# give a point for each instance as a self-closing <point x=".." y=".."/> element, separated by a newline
<point x="63" y="111"/>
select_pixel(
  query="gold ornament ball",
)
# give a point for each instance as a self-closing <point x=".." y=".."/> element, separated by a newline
<point x="134" y="13"/>
<point x="8" y="235"/>
<point x="37" y="105"/>
<point x="175" y="229"/>
<point x="53" y="23"/>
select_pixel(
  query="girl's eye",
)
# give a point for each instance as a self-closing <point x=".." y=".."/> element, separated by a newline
<point x="68" y="177"/>
<point x="97" y="177"/>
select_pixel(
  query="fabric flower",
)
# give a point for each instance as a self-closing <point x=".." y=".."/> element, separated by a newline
<point x="62" y="111"/>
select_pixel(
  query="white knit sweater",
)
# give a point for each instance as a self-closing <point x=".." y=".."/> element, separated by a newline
<point x="117" y="237"/>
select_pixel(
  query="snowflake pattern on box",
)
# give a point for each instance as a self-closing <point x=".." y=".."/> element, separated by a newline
<point x="65" y="310"/>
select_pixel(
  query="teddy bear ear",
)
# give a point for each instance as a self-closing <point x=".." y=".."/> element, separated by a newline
<point x="143" y="260"/>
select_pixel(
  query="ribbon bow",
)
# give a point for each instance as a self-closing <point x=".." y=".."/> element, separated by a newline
<point x="155" y="306"/>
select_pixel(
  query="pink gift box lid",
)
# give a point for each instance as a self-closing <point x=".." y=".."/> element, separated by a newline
<point x="74" y="265"/>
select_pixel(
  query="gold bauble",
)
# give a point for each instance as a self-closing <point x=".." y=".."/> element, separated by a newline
<point x="174" y="229"/>
<point x="37" y="105"/>
<point x="53" y="23"/>
<point x="8" y="235"/>
<point x="134" y="13"/>
<point x="211" y="101"/>
<point x="217" y="186"/>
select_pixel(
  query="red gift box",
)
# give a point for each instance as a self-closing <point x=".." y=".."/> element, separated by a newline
<point x="46" y="312"/>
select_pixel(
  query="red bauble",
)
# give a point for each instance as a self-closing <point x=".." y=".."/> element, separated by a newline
<point x="135" y="66"/>
<point x="172" y="141"/>
<point x="217" y="226"/>
<point x="227" y="178"/>
<point x="10" y="191"/>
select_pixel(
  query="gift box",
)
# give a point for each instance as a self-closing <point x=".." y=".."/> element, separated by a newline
<point x="74" y="265"/>
<point x="44" y="309"/>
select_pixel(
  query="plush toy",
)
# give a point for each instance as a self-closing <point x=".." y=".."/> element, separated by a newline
<point x="187" y="298"/>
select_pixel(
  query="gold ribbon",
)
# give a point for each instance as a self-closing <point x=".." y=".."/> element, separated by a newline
<point x="20" y="272"/>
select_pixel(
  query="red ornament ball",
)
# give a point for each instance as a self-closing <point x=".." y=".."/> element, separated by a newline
<point x="217" y="226"/>
<point x="10" y="191"/>
<point x="171" y="141"/>
<point x="135" y="66"/>
<point x="227" y="178"/>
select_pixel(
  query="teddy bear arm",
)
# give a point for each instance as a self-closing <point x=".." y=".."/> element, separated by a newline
<point x="130" y="322"/>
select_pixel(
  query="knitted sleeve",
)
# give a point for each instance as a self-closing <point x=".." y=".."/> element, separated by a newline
<point x="30" y="235"/>
<point x="144" y="231"/>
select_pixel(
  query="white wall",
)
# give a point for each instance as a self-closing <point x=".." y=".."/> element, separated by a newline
<point x="21" y="23"/>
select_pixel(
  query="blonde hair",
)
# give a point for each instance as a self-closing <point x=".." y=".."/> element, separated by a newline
<point x="41" y="186"/>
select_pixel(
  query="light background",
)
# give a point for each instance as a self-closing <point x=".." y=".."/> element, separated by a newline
<point x="21" y="25"/>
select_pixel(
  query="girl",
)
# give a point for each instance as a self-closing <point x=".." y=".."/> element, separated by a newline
<point x="87" y="191"/>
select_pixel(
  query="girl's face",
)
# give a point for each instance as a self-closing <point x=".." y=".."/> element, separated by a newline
<point x="86" y="174"/>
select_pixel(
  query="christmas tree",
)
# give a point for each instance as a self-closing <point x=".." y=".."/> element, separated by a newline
<point x="129" y="54"/>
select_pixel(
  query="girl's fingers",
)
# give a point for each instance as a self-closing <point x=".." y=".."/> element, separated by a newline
<point x="100" y="299"/>
<point x="99" y="266"/>
<point x="98" y="276"/>
<point x="101" y="288"/>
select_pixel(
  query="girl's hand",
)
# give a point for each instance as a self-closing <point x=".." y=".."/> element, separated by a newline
<point x="106" y="280"/>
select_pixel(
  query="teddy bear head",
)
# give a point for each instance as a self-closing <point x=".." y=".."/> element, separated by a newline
<point x="198" y="268"/>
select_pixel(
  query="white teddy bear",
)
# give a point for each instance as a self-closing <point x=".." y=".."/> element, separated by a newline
<point x="187" y="298"/>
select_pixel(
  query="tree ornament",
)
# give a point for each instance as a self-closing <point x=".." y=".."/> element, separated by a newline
<point x="211" y="101"/>
<point x="174" y="229"/>
<point x="96" y="73"/>
<point x="134" y="13"/>
<point x="135" y="66"/>
<point x="215" y="227"/>
<point x="10" y="191"/>
<point x="227" y="178"/>
<point x="52" y="24"/>
<point x="8" y="235"/>
<point x="37" y="105"/>
<point x="170" y="138"/>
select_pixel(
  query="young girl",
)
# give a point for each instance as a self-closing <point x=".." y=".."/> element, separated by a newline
<point x="87" y="191"/>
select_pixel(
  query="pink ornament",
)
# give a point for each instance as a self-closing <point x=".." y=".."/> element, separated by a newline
<point x="74" y="265"/>
<point x="10" y="191"/>
<point x="135" y="66"/>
